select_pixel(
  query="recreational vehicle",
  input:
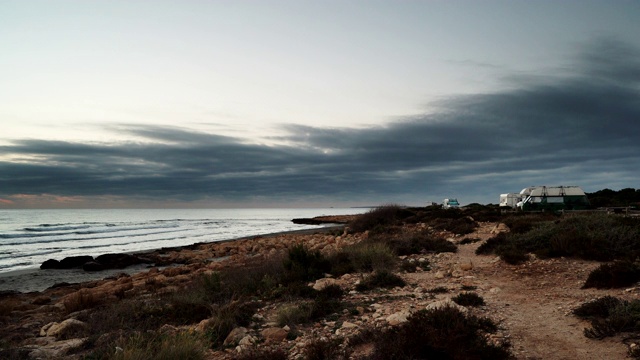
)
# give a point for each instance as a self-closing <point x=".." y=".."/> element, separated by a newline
<point x="552" y="198"/>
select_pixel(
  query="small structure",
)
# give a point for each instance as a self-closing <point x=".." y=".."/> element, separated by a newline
<point x="548" y="198"/>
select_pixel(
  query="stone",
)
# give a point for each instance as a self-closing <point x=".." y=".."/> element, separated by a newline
<point x="444" y="304"/>
<point x="398" y="318"/>
<point x="72" y="262"/>
<point x="466" y="266"/>
<point x="235" y="336"/>
<point x="274" y="334"/>
<point x="93" y="266"/>
<point x="50" y="264"/>
<point x="64" y="329"/>
<point x="323" y="283"/>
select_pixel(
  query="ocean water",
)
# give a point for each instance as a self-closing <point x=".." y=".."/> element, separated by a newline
<point x="30" y="237"/>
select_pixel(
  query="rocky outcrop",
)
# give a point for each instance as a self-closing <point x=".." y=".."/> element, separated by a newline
<point x="102" y="262"/>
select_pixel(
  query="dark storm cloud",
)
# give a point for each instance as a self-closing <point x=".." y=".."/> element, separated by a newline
<point x="580" y="128"/>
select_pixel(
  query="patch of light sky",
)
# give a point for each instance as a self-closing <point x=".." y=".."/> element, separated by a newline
<point x="241" y="68"/>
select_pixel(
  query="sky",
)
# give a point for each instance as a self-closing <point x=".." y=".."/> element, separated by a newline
<point x="301" y="103"/>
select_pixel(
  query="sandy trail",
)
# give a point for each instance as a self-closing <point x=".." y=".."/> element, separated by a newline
<point x="533" y="303"/>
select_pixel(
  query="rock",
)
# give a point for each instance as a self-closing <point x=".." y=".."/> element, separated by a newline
<point x="274" y="334"/>
<point x="50" y="264"/>
<point x="119" y="261"/>
<point x="247" y="341"/>
<point x="64" y="329"/>
<point x="235" y="336"/>
<point x="56" y="350"/>
<point x="41" y="300"/>
<point x="72" y="262"/>
<point x="93" y="266"/>
<point x="398" y="318"/>
<point x="444" y="304"/>
<point x="466" y="266"/>
<point x="323" y="283"/>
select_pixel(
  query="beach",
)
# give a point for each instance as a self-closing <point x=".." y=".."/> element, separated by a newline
<point x="36" y="279"/>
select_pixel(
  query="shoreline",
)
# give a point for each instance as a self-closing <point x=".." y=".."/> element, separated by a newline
<point x="34" y="279"/>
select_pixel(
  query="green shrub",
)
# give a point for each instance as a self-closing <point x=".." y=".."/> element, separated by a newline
<point x="490" y="246"/>
<point x="463" y="225"/>
<point x="382" y="216"/>
<point x="409" y="266"/>
<point x="225" y="318"/>
<point x="369" y="256"/>
<point x="444" y="333"/>
<point x="524" y="222"/>
<point x="599" y="308"/>
<point x="419" y="243"/>
<point x="380" y="279"/>
<point x="598" y="237"/>
<point x="512" y="254"/>
<point x="616" y="275"/>
<point x="438" y="290"/>
<point x="468" y="299"/>
<point x="303" y="264"/>
<point x="293" y="314"/>
<point x="610" y="316"/>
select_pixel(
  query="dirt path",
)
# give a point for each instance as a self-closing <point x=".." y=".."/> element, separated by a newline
<point x="533" y="302"/>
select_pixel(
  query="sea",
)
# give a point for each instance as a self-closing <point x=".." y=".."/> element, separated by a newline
<point x="30" y="237"/>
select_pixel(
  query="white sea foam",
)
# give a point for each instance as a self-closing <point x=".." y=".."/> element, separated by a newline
<point x="29" y="237"/>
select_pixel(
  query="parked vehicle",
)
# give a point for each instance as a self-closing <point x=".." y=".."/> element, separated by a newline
<point x="510" y="199"/>
<point x="552" y="198"/>
<point x="450" y="204"/>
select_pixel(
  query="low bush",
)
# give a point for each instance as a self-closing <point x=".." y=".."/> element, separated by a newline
<point x="610" y="316"/>
<point x="380" y="217"/>
<point x="438" y="290"/>
<point x="80" y="300"/>
<point x="512" y="254"/>
<point x="463" y="225"/>
<point x="303" y="264"/>
<point x="490" y="246"/>
<point x="598" y="237"/>
<point x="599" y="308"/>
<point x="225" y="318"/>
<point x="380" y="279"/>
<point x="616" y="275"/>
<point x="444" y="333"/>
<point x="468" y="299"/>
<point x="293" y="314"/>
<point x="411" y="266"/>
<point x="364" y="257"/>
<point x="419" y="243"/>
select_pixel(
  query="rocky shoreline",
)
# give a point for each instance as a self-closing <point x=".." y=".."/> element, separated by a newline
<point x="531" y="302"/>
<point x="80" y="269"/>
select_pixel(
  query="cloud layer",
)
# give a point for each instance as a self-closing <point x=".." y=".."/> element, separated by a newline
<point x="578" y="128"/>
